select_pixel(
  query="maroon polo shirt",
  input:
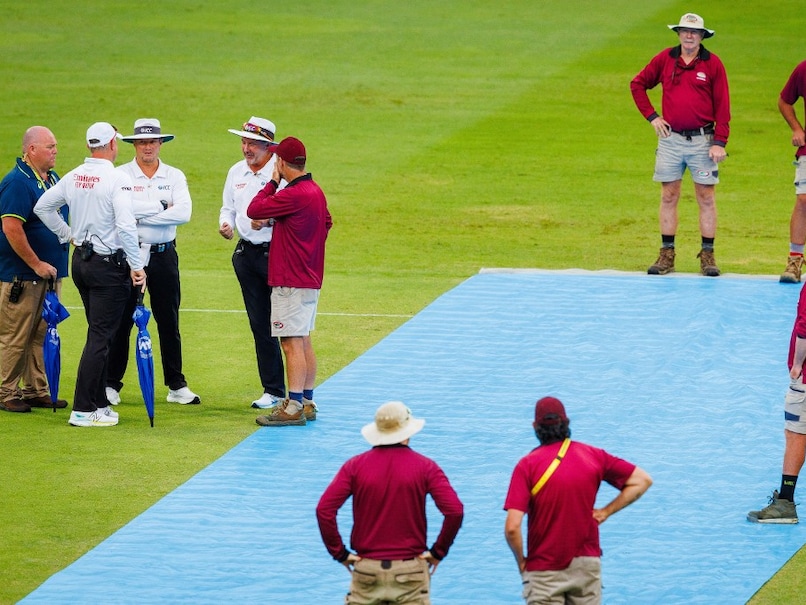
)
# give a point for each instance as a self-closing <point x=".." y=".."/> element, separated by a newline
<point x="693" y="95"/>
<point x="389" y="485"/>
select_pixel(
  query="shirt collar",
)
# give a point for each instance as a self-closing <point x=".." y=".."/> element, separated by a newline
<point x="703" y="53"/>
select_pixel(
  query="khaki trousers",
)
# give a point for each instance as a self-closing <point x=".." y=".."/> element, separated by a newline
<point x="22" y="335"/>
<point x="390" y="582"/>
<point x="578" y="584"/>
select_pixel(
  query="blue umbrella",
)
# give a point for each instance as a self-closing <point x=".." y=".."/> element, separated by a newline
<point x="53" y="312"/>
<point x="145" y="357"/>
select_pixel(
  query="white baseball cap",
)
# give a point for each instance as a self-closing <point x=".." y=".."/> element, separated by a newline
<point x="147" y="128"/>
<point x="100" y="133"/>
<point x="258" y="129"/>
<point x="693" y="21"/>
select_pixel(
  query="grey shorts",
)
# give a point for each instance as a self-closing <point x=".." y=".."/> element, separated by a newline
<point x="578" y="584"/>
<point x="293" y="311"/>
<point x="675" y="153"/>
<point x="800" y="175"/>
<point x="794" y="408"/>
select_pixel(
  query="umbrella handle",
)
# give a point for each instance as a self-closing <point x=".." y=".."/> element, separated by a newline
<point x="140" y="297"/>
<point x="51" y="284"/>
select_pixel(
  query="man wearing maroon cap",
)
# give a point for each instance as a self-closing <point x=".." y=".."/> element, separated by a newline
<point x="296" y="269"/>
<point x="556" y="486"/>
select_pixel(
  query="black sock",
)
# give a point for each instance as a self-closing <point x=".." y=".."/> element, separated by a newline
<point x="708" y="243"/>
<point x="788" y="487"/>
<point x="667" y="241"/>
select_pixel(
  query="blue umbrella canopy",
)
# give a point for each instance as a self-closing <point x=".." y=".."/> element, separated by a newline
<point x="144" y="355"/>
<point x="53" y="312"/>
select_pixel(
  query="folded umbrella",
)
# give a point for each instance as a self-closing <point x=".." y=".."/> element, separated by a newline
<point x="145" y="357"/>
<point x="53" y="312"/>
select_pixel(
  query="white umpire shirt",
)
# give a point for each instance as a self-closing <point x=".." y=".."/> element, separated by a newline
<point x="241" y="186"/>
<point x="155" y="224"/>
<point x="100" y="200"/>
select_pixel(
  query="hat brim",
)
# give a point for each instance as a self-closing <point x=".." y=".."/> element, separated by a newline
<point x="117" y="136"/>
<point x="376" y="437"/>
<point x="706" y="33"/>
<point x="139" y="137"/>
<point x="249" y="135"/>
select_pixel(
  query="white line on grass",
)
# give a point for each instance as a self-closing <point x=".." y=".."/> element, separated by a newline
<point x="318" y="312"/>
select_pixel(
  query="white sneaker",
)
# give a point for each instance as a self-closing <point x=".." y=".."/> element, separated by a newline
<point x="112" y="396"/>
<point x="107" y="411"/>
<point x="266" y="401"/>
<point x="96" y="418"/>
<point x="184" y="396"/>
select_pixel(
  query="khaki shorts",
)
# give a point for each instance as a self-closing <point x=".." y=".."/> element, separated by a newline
<point x="293" y="311"/>
<point x="578" y="584"/>
<point x="794" y="410"/>
<point x="396" y="582"/>
<point x="675" y="153"/>
<point x="800" y="175"/>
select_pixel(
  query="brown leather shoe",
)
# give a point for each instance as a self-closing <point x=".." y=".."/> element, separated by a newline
<point x="45" y="402"/>
<point x="15" y="405"/>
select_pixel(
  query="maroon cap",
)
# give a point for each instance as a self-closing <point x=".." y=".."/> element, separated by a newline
<point x="549" y="411"/>
<point x="291" y="150"/>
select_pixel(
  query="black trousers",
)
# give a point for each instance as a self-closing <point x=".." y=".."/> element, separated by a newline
<point x="162" y="282"/>
<point x="104" y="289"/>
<point x="251" y="264"/>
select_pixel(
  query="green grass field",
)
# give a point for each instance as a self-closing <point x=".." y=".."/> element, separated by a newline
<point x="448" y="136"/>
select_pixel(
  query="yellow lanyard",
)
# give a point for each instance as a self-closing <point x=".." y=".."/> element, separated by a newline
<point x="43" y="184"/>
<point x="552" y="467"/>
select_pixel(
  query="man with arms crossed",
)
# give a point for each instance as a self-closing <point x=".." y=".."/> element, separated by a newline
<point x="161" y="201"/>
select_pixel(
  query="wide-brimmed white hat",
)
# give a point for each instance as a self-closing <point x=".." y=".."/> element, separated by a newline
<point x="148" y="128"/>
<point x="258" y="129"/>
<point x="693" y="21"/>
<point x="100" y="133"/>
<point x="393" y="424"/>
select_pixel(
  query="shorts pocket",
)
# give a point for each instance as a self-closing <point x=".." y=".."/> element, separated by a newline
<point x="410" y="578"/>
<point x="364" y="580"/>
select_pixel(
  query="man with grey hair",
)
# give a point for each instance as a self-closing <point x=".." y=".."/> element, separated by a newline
<point x="692" y="131"/>
<point x="389" y="485"/>
<point x="106" y="260"/>
<point x="30" y="257"/>
<point x="250" y="258"/>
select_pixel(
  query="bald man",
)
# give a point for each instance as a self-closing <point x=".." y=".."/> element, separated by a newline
<point x="30" y="256"/>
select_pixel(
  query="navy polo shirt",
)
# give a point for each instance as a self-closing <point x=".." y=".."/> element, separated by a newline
<point x="19" y="192"/>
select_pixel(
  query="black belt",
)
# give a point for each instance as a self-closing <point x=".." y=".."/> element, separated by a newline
<point x="387" y="563"/>
<point x="696" y="132"/>
<point x="157" y="248"/>
<point x="246" y="242"/>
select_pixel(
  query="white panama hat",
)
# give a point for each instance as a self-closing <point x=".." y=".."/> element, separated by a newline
<point x="693" y="21"/>
<point x="258" y="129"/>
<point x="393" y="424"/>
<point x="147" y="128"/>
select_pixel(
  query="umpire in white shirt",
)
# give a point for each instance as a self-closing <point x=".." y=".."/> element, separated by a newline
<point x="161" y="201"/>
<point x="106" y="261"/>
<point x="250" y="258"/>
